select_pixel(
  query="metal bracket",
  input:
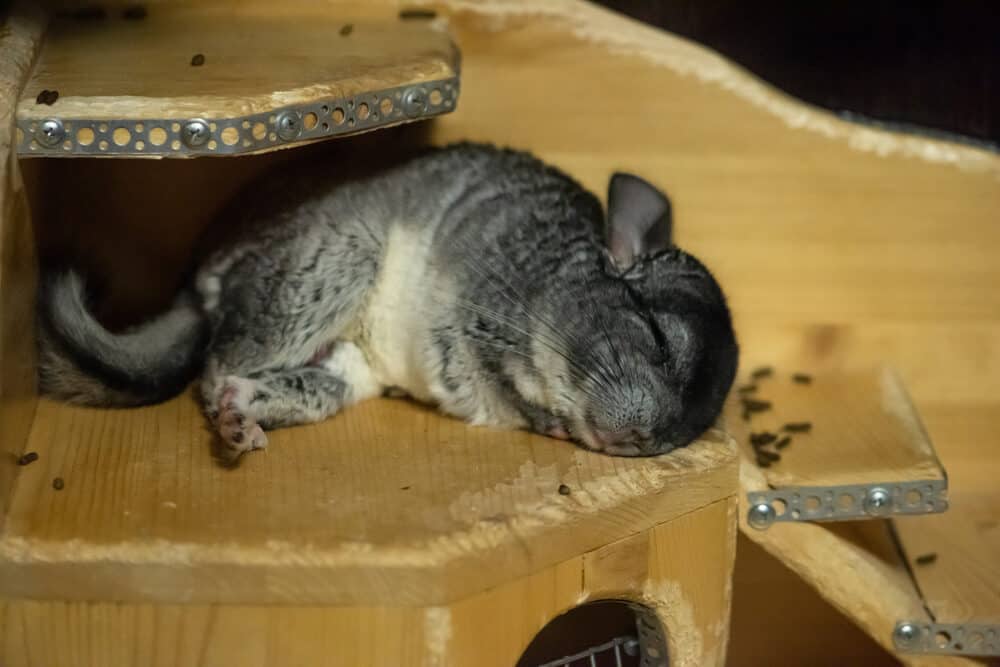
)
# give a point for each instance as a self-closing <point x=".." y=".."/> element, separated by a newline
<point x="947" y="638"/>
<point x="846" y="503"/>
<point x="187" y="137"/>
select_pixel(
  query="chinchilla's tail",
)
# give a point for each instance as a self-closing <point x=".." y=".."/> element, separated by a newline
<point x="82" y="362"/>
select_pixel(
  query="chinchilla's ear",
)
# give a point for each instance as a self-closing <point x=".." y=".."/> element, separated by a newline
<point x="639" y="220"/>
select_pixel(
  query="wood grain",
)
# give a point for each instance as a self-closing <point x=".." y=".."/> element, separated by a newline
<point x="489" y="629"/>
<point x="864" y="429"/>
<point x="257" y="57"/>
<point x="19" y="43"/>
<point x="387" y="502"/>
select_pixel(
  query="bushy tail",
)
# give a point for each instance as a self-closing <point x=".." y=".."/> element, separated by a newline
<point x="82" y="362"/>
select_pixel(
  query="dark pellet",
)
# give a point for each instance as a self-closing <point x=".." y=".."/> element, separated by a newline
<point x="756" y="406"/>
<point x="197" y="60"/>
<point x="564" y="490"/>
<point x="404" y="488"/>
<point x="746" y="415"/>
<point x="925" y="559"/>
<point x="417" y="14"/>
<point x="798" y="427"/>
<point x="58" y="483"/>
<point x="134" y="13"/>
<point x="768" y="455"/>
<point x="762" y="462"/>
<point x="802" y="378"/>
<point x="93" y="13"/>
<point x="762" y="372"/>
<point x="761" y="439"/>
<point x="747" y="389"/>
<point x="784" y="442"/>
<point x="29" y="457"/>
<point x="48" y="97"/>
<point x="347" y="29"/>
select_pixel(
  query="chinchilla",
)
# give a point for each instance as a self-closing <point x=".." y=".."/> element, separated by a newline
<point x="476" y="279"/>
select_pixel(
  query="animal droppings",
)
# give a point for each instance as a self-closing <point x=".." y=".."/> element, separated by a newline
<point x="564" y="490"/>
<point x="784" y="442"/>
<point x="747" y="389"/>
<point x="756" y="406"/>
<point x="29" y="457"/>
<point x="413" y="14"/>
<point x="802" y="378"/>
<point x="762" y="372"/>
<point x="197" y="60"/>
<point x="58" y="483"/>
<point x="761" y="439"/>
<point x="47" y="97"/>
<point x="798" y="427"/>
<point x="925" y="559"/>
<point x="347" y="29"/>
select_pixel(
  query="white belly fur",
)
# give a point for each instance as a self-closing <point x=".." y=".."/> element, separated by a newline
<point x="396" y="319"/>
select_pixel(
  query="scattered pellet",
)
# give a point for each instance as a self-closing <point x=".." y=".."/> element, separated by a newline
<point x="28" y="457"/>
<point x="763" y="463"/>
<point x="564" y="490"/>
<point x="747" y="389"/>
<point x="197" y="60"/>
<point x="925" y="559"/>
<point x="404" y="488"/>
<point x="768" y="455"/>
<point x="416" y="14"/>
<point x="798" y="427"/>
<point x="762" y="438"/>
<point x="802" y="378"/>
<point x="784" y="442"/>
<point x="347" y="29"/>
<point x="134" y="13"/>
<point x="752" y="405"/>
<point x="58" y="483"/>
<point x="746" y="415"/>
<point x="47" y="97"/>
<point x="762" y="372"/>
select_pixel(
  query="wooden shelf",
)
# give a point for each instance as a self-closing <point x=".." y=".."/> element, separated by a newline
<point x="127" y="87"/>
<point x="388" y="503"/>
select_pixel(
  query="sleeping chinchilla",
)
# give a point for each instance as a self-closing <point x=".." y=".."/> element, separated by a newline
<point x="477" y="279"/>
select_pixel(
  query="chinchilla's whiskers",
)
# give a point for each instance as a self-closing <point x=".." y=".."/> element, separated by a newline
<point x="510" y="322"/>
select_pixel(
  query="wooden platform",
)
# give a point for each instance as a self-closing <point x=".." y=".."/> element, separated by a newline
<point x="124" y="81"/>
<point x="388" y="503"/>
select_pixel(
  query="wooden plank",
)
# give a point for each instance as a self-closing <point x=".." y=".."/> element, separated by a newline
<point x="388" y="501"/>
<point x="689" y="588"/>
<point x="19" y="43"/>
<point x="257" y="57"/>
<point x="863" y="428"/>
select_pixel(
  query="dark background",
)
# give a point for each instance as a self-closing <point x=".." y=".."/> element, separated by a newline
<point x="931" y="66"/>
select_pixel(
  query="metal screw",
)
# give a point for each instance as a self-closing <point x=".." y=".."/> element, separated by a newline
<point x="50" y="133"/>
<point x="195" y="133"/>
<point x="906" y="635"/>
<point x="414" y="102"/>
<point x="631" y="646"/>
<point x="289" y="125"/>
<point x="878" y="502"/>
<point x="761" y="516"/>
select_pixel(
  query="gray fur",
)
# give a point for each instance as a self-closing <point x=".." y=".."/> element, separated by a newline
<point x="473" y="278"/>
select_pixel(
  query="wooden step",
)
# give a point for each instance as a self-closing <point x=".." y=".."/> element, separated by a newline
<point x="387" y="503"/>
<point x="181" y="80"/>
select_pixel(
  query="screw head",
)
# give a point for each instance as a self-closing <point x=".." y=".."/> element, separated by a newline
<point x="878" y="502"/>
<point x="906" y="635"/>
<point x="50" y="133"/>
<point x="761" y="516"/>
<point x="289" y="125"/>
<point x="414" y="102"/>
<point x="195" y="133"/>
<point x="631" y="646"/>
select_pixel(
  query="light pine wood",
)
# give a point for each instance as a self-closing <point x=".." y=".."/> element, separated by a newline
<point x="258" y="57"/>
<point x="690" y="593"/>
<point x="19" y="43"/>
<point x="864" y="429"/>
<point x="837" y="244"/>
<point x="962" y="585"/>
<point x="387" y="502"/>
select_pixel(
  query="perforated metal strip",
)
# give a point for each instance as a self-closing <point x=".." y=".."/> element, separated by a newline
<point x="974" y="639"/>
<point x="846" y="503"/>
<point x="186" y="137"/>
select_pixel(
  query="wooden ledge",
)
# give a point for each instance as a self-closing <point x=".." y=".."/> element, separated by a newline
<point x="128" y="86"/>
<point x="387" y="503"/>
